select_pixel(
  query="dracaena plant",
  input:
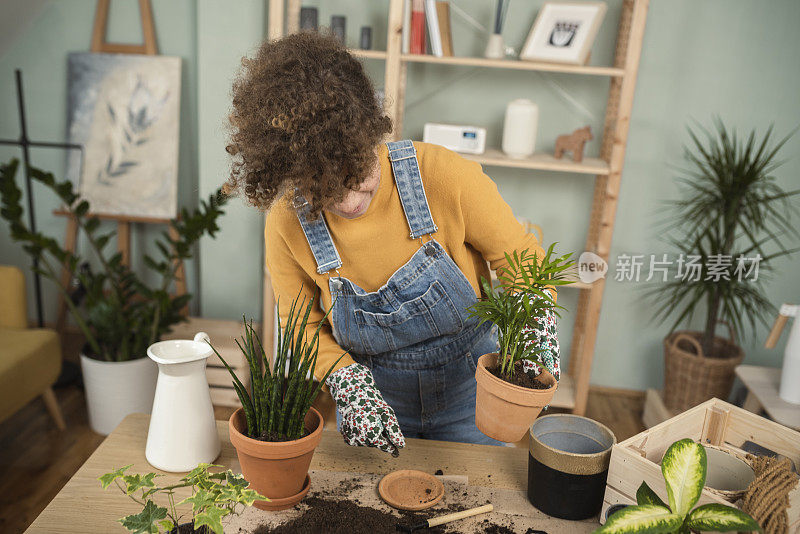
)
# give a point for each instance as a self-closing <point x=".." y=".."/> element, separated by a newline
<point x="119" y="314"/>
<point x="283" y="390"/>
<point x="214" y="496"/>
<point x="684" y="469"/>
<point x="521" y="298"/>
<point x="733" y="216"/>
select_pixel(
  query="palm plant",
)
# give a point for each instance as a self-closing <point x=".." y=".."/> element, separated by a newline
<point x="684" y="468"/>
<point x="521" y="298"/>
<point x="733" y="214"/>
<point x="119" y="314"/>
<point x="282" y="392"/>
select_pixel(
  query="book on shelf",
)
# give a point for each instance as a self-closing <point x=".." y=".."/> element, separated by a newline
<point x="433" y="28"/>
<point x="446" y="34"/>
<point x="417" y="45"/>
<point x="406" y="47"/>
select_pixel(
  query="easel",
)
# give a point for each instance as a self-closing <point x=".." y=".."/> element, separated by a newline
<point x="99" y="44"/>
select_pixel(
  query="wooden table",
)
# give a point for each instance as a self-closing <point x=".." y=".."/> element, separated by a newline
<point x="762" y="385"/>
<point x="82" y="506"/>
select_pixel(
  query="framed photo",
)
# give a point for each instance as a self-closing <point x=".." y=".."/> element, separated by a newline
<point x="564" y="32"/>
<point x="124" y="110"/>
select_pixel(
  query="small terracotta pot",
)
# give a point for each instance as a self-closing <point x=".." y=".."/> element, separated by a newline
<point x="504" y="411"/>
<point x="277" y="470"/>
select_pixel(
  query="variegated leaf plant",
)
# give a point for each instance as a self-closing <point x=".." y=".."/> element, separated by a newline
<point x="684" y="469"/>
<point x="214" y="496"/>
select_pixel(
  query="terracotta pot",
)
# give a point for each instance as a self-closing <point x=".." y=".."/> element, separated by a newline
<point x="504" y="411"/>
<point x="277" y="470"/>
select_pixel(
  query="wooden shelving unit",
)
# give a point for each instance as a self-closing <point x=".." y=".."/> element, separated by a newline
<point x="607" y="169"/>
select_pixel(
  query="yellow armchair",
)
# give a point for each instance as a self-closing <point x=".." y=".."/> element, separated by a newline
<point x="30" y="358"/>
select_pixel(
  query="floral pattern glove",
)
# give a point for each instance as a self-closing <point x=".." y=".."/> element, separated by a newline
<point x="545" y="335"/>
<point x="367" y="420"/>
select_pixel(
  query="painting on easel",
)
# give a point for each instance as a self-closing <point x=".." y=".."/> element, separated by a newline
<point x="124" y="109"/>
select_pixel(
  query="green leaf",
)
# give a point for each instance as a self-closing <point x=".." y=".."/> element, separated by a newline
<point x="145" y="522"/>
<point x="684" y="470"/>
<point x="137" y="482"/>
<point x="720" y="518"/>
<point x="211" y="518"/>
<point x="645" y="495"/>
<point x="200" y="500"/>
<point x="108" y="478"/>
<point x="642" y="519"/>
<point x="167" y="525"/>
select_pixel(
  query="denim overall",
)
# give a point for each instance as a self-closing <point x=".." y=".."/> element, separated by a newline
<point x="414" y="333"/>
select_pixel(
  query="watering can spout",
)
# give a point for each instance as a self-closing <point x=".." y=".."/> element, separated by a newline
<point x="786" y="311"/>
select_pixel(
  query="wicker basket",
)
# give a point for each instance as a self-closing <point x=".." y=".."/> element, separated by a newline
<point x="690" y="377"/>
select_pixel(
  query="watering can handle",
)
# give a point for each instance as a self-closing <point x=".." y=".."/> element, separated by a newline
<point x="786" y="311"/>
<point x="202" y="336"/>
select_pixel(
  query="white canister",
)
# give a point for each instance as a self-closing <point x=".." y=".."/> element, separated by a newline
<point x="519" y="129"/>
<point x="183" y="432"/>
<point x="115" y="390"/>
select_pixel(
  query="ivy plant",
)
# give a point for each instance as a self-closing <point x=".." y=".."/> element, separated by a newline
<point x="118" y="312"/>
<point x="522" y="296"/>
<point x="283" y="390"/>
<point x="684" y="469"/>
<point x="214" y="496"/>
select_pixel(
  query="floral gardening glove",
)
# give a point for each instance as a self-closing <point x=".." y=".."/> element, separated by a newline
<point x="366" y="418"/>
<point x="546" y="340"/>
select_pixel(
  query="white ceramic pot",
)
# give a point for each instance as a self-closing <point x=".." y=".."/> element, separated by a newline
<point x="183" y="432"/>
<point x="115" y="390"/>
<point x="519" y="128"/>
<point x="495" y="47"/>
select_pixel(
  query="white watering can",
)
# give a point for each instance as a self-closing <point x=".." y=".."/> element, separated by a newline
<point x="182" y="432"/>
<point x="790" y="376"/>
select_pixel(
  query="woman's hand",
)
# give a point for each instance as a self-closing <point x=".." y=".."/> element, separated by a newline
<point x="367" y="420"/>
<point x="545" y="333"/>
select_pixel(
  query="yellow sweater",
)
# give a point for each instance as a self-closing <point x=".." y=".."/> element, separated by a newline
<point x="475" y="226"/>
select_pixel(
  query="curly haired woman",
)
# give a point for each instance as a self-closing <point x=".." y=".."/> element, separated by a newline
<point x="397" y="234"/>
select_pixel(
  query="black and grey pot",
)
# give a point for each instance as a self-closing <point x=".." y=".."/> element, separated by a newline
<point x="568" y="465"/>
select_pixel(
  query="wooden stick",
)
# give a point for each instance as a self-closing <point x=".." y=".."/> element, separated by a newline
<point x="775" y="333"/>
<point x="441" y="520"/>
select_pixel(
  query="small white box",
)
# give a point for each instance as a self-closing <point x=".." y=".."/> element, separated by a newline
<point x="467" y="139"/>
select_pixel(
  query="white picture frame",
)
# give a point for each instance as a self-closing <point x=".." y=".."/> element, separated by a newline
<point x="564" y="32"/>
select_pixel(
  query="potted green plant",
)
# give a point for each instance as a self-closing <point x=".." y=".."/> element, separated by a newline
<point x="276" y="430"/>
<point x="214" y="496"/>
<point x="118" y="312"/>
<point x="508" y="399"/>
<point x="727" y="229"/>
<point x="684" y="469"/>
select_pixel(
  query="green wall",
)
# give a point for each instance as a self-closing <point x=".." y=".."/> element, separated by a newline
<point x="728" y="57"/>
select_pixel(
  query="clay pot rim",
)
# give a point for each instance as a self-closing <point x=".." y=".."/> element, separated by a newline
<point x="505" y="389"/>
<point x="274" y="505"/>
<point x="274" y="450"/>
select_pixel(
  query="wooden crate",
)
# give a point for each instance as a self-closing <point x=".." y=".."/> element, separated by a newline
<point x="223" y="334"/>
<point x="715" y="423"/>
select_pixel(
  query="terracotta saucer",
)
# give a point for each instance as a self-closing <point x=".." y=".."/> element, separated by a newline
<point x="410" y="490"/>
<point x="286" y="502"/>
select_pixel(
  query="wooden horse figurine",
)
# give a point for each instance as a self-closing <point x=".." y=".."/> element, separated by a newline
<point x="574" y="143"/>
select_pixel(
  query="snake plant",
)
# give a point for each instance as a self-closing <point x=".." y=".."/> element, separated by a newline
<point x="283" y="390"/>
<point x="684" y="469"/>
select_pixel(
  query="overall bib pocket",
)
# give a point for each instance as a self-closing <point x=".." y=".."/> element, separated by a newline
<point x="429" y="315"/>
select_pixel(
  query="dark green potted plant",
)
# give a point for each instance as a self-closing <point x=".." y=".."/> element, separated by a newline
<point x="684" y="469"/>
<point x="214" y="496"/>
<point x="728" y="228"/>
<point x="276" y="430"/>
<point x="506" y="401"/>
<point x="119" y="312"/>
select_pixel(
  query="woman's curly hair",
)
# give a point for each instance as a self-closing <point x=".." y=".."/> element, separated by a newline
<point x="305" y="116"/>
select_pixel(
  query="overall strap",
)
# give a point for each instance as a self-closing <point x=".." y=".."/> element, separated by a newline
<point x="405" y="167"/>
<point x="318" y="236"/>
